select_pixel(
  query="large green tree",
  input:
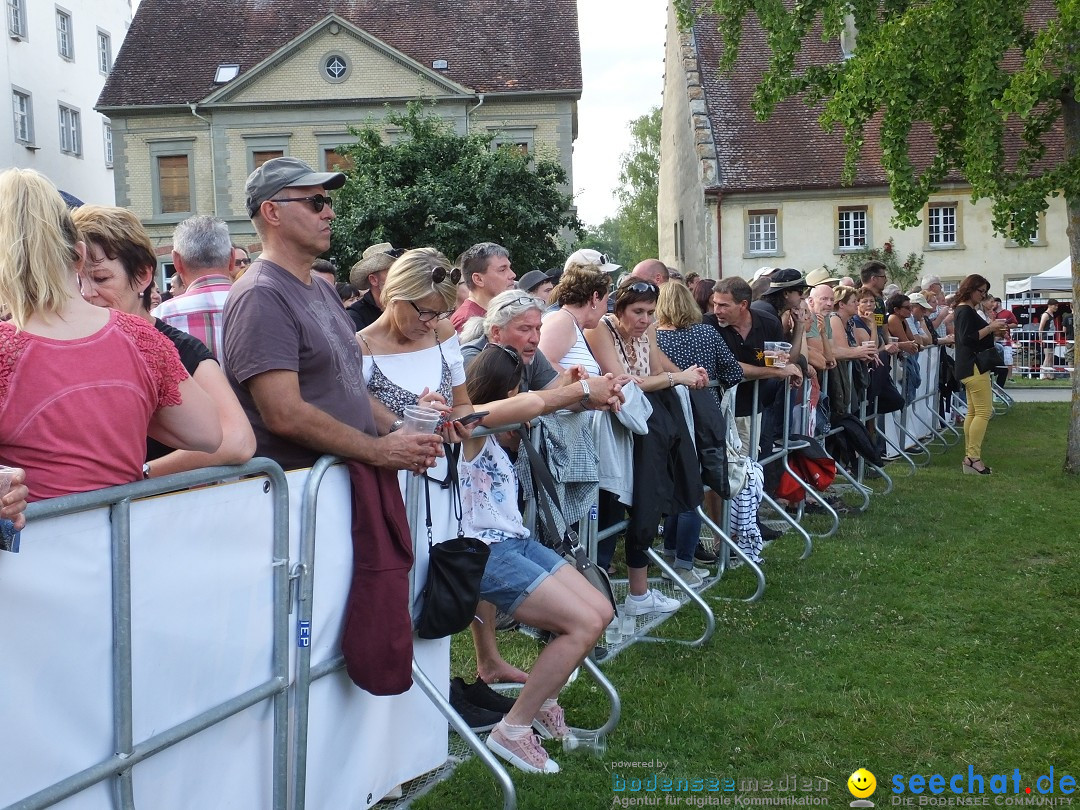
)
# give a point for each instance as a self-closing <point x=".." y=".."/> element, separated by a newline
<point x="433" y="187"/>
<point x="979" y="74"/>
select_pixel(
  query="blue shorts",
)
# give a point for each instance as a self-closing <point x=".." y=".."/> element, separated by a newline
<point x="514" y="569"/>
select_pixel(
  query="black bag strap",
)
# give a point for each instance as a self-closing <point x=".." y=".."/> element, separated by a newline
<point x="542" y="475"/>
<point x="455" y="491"/>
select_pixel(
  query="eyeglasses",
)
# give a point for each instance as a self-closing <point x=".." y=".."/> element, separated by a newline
<point x="510" y="350"/>
<point x="879" y="275"/>
<point x="242" y="262"/>
<point x="428" y="315"/>
<point x="439" y="275"/>
<point x="318" y="201"/>
<point x="523" y="300"/>
<point x="396" y="253"/>
<point x="640" y="287"/>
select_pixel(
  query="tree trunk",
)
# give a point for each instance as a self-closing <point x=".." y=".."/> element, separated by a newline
<point x="1071" y="116"/>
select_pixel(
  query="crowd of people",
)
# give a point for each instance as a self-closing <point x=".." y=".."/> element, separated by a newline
<point x="630" y="380"/>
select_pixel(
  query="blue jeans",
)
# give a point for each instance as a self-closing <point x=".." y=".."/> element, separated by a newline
<point x="682" y="535"/>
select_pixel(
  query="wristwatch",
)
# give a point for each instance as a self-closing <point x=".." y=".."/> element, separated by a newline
<point x="146" y="470"/>
<point x="396" y="425"/>
<point x="584" y="393"/>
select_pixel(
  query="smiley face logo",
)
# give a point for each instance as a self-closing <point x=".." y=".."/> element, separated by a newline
<point x="861" y="783"/>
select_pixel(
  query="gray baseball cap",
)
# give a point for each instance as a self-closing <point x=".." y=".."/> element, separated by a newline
<point x="284" y="172"/>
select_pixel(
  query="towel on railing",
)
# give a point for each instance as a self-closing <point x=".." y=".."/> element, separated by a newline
<point x="377" y="638"/>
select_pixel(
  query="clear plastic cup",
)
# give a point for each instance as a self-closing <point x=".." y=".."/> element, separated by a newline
<point x="627" y="624"/>
<point x="613" y="634"/>
<point x="782" y="352"/>
<point x="869" y="344"/>
<point x="587" y="740"/>
<point x="420" y="420"/>
<point x="893" y="339"/>
<point x="7" y="475"/>
<point x="770" y="353"/>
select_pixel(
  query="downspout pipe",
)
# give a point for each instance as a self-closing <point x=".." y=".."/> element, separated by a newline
<point x="213" y="159"/>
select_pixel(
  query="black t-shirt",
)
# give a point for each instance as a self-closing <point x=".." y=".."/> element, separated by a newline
<point x="192" y="352"/>
<point x="364" y="312"/>
<point x="751" y="350"/>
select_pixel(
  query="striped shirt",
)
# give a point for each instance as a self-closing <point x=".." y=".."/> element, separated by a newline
<point x="579" y="354"/>
<point x="198" y="311"/>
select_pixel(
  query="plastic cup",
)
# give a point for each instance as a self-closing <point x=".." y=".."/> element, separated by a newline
<point x="770" y="353"/>
<point x="420" y="420"/>
<point x="782" y="351"/>
<point x="613" y="634"/>
<point x="893" y="339"/>
<point x="7" y="475"/>
<point x="869" y="344"/>
<point x="586" y="740"/>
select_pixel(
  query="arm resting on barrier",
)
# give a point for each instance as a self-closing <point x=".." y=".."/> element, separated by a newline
<point x="191" y="425"/>
<point x="237" y="442"/>
<point x="277" y="396"/>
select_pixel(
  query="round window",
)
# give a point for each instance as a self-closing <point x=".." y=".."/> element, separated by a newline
<point x="335" y="67"/>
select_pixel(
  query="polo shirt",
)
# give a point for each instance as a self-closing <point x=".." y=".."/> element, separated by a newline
<point x="751" y="350"/>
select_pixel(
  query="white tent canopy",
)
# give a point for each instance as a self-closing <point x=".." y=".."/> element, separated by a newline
<point x="1057" y="279"/>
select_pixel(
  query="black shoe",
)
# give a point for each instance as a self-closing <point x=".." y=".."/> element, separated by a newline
<point x="482" y="695"/>
<point x="702" y="554"/>
<point x="478" y="719"/>
<point x="768" y="533"/>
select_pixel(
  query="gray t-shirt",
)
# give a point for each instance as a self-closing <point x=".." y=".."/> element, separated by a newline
<point x="275" y="322"/>
<point x="536" y="376"/>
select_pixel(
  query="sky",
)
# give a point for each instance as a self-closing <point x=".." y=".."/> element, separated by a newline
<point x="622" y="62"/>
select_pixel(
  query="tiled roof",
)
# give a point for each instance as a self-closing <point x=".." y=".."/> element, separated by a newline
<point x="791" y="151"/>
<point x="173" y="47"/>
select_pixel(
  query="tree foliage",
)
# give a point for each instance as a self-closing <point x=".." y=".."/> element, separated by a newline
<point x="987" y="85"/>
<point x="905" y="274"/>
<point x="432" y="186"/>
<point x="631" y="234"/>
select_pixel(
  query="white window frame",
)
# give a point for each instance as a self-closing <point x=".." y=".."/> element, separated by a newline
<point x="16" y="10"/>
<point x="65" y="34"/>
<point x="104" y="52"/>
<point x="943" y="225"/>
<point x="71" y="142"/>
<point x="107" y="140"/>
<point x="851" y="235"/>
<point x="763" y="232"/>
<point x="23" y="135"/>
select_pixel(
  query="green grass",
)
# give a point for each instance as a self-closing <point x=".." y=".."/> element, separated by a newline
<point x="936" y="631"/>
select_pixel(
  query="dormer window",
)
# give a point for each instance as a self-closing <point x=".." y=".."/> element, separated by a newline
<point x="226" y="73"/>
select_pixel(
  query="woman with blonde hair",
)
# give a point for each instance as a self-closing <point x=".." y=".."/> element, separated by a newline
<point x="65" y="362"/>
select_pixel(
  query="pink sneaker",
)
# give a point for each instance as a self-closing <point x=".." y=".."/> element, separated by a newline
<point x="550" y="724"/>
<point x="527" y="753"/>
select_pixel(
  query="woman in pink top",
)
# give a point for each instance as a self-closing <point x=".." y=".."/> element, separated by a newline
<point x="80" y="386"/>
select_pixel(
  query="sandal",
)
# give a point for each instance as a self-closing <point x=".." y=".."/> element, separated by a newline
<point x="969" y="467"/>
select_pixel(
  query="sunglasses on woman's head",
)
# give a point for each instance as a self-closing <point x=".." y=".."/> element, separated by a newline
<point x="510" y="350"/>
<point x="642" y="287"/>
<point x="439" y="274"/>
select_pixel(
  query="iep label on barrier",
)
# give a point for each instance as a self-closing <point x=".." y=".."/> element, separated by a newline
<point x="303" y="634"/>
<point x="592" y="512"/>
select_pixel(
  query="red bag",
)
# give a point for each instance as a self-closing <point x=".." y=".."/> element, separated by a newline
<point x="812" y="464"/>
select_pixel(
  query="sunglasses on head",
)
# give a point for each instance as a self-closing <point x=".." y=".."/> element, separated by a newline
<point x="523" y="300"/>
<point x="318" y="201"/>
<point x="427" y="315"/>
<point x="440" y="274"/>
<point x="395" y="253"/>
<point x="510" y="350"/>
<point x="641" y="287"/>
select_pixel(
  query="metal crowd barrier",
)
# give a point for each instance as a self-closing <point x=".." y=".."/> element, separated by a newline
<point x="130" y="752"/>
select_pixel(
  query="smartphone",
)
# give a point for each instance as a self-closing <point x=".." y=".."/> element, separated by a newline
<point x="471" y="418"/>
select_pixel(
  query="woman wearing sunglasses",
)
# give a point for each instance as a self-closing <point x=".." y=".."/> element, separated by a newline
<point x="625" y="343"/>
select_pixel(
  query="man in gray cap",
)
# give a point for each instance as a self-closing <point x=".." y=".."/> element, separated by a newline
<point x="291" y="353"/>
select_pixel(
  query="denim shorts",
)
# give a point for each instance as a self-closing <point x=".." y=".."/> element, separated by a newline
<point x="514" y="570"/>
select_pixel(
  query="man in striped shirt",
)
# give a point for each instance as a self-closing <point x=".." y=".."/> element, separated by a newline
<point x="202" y="254"/>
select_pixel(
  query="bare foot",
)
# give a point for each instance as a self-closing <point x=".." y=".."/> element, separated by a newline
<point x="502" y="672"/>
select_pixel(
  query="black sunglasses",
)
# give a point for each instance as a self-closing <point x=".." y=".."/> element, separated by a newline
<point x="395" y="253"/>
<point x="428" y="315"/>
<point x="439" y="274"/>
<point x="510" y="350"/>
<point x="318" y="201"/>
<point x="520" y="300"/>
<point x="640" y="287"/>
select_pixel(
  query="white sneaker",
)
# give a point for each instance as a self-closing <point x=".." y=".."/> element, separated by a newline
<point x="684" y="573"/>
<point x="654" y="602"/>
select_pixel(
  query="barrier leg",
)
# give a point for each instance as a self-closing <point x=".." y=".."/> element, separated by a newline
<point x="732" y="546"/>
<point x="492" y="762"/>
<point x="859" y="489"/>
<point x="692" y="596"/>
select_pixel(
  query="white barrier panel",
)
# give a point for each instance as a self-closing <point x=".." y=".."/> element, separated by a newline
<point x="201" y="600"/>
<point x="201" y="634"/>
<point x="359" y="746"/>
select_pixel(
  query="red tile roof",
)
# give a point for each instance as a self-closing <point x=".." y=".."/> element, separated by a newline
<point x="173" y="47"/>
<point x="791" y="151"/>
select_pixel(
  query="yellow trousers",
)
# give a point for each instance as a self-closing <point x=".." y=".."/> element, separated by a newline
<point x="979" y="409"/>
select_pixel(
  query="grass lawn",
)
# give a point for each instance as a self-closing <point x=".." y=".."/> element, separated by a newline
<point x="937" y="631"/>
